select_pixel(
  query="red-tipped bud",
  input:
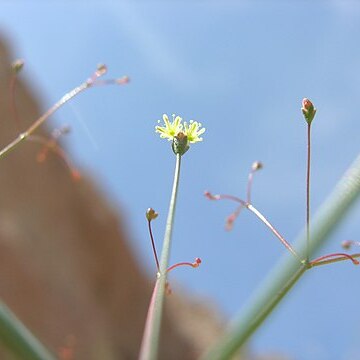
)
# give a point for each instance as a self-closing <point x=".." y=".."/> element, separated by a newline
<point x="197" y="262"/>
<point x="210" y="196"/>
<point x="151" y="214"/>
<point x="17" y="65"/>
<point x="308" y="110"/>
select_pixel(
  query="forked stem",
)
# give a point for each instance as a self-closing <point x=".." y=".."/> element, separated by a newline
<point x="34" y="126"/>
<point x="288" y="272"/>
<point x="331" y="258"/>
<point x="260" y="216"/>
<point x="150" y="342"/>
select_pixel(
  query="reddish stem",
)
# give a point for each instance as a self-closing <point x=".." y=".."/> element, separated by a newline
<point x="153" y="246"/>
<point x="337" y="256"/>
<point x="259" y="216"/>
<point x="146" y="341"/>
<point x="51" y="145"/>
<point x="195" y="264"/>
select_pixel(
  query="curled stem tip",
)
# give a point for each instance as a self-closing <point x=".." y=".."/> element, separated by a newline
<point x="326" y="259"/>
<point x="194" y="264"/>
<point x="210" y="196"/>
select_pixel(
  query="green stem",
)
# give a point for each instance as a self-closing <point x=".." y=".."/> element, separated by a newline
<point x="288" y="271"/>
<point x="308" y="165"/>
<point x="149" y="347"/>
<point x="19" y="339"/>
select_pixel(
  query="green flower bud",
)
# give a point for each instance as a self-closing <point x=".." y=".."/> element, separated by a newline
<point x="308" y="110"/>
<point x="180" y="144"/>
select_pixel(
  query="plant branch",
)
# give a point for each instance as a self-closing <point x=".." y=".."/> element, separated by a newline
<point x="288" y="271"/>
<point x="150" y="342"/>
<point x="24" y="135"/>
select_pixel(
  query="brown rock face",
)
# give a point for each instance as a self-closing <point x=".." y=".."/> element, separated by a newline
<point x="65" y="268"/>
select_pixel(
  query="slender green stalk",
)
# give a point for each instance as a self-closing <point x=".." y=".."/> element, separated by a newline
<point x="19" y="339"/>
<point x="149" y="346"/>
<point x="288" y="271"/>
<point x="308" y="166"/>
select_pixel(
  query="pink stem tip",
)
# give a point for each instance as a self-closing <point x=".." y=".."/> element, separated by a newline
<point x="194" y="264"/>
<point x="337" y="256"/>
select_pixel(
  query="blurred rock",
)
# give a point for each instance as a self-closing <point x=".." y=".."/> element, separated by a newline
<point x="65" y="268"/>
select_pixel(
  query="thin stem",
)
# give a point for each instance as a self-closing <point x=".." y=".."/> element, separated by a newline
<point x="85" y="85"/>
<point x="146" y="340"/>
<point x="21" y="137"/>
<point x="51" y="145"/>
<point x="259" y="216"/>
<point x="273" y="230"/>
<point x="288" y="272"/>
<point x="194" y="264"/>
<point x="330" y="258"/>
<point x="153" y="246"/>
<point x="13" y="107"/>
<point x="149" y="347"/>
<point x="228" y="347"/>
<point x="308" y="192"/>
<point x="249" y="185"/>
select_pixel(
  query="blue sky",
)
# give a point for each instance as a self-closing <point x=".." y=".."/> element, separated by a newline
<point x="241" y="68"/>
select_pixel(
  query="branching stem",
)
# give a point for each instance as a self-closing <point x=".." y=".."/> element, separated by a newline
<point x="150" y="342"/>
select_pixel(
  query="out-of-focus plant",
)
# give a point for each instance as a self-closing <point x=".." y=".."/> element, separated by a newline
<point x="181" y="134"/>
<point x="13" y="333"/>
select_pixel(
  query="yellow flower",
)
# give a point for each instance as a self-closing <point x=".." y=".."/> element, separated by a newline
<point x="193" y="131"/>
<point x="172" y="129"/>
